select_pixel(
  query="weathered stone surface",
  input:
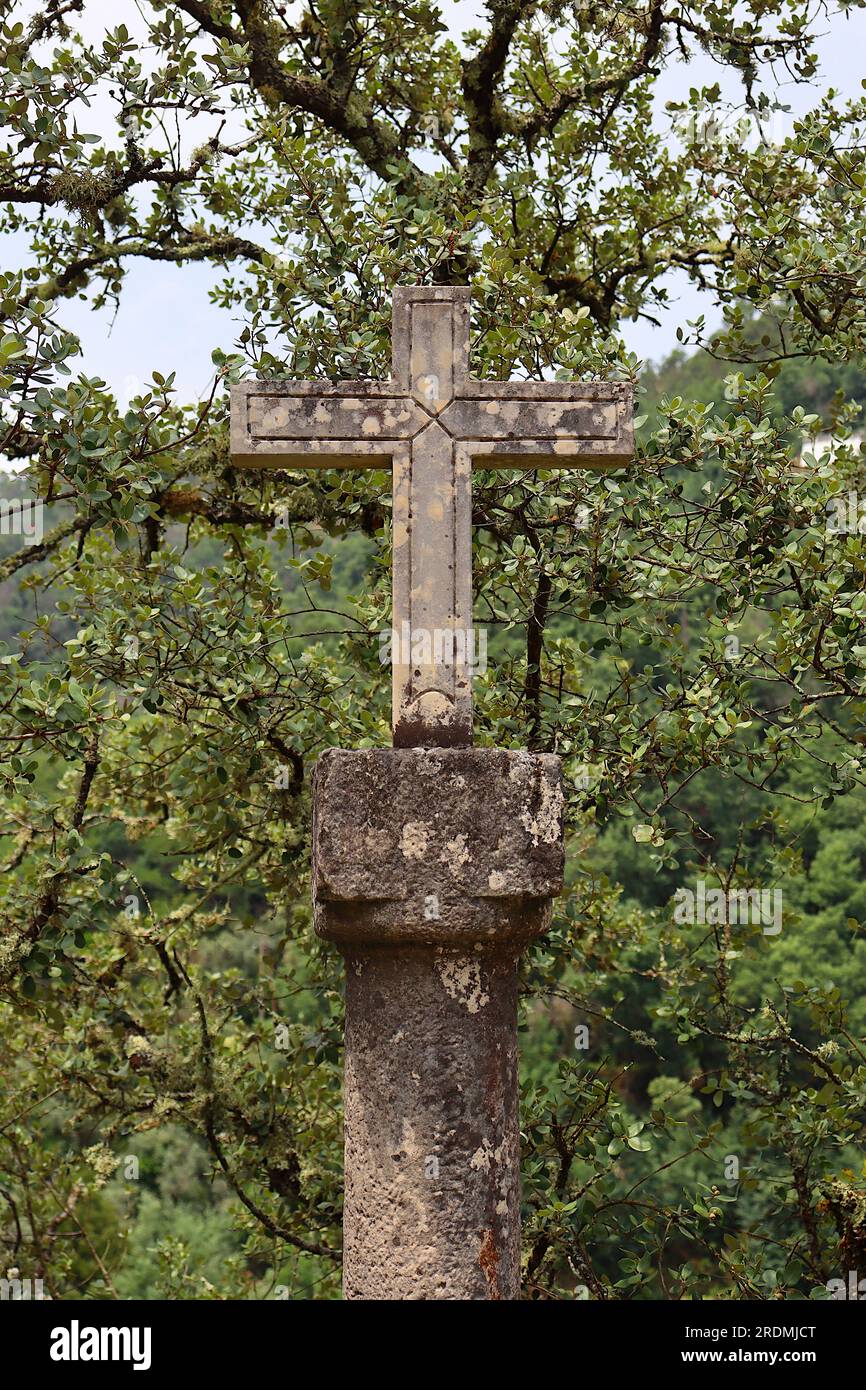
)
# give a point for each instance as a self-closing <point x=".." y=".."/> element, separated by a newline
<point x="436" y="845"/>
<point x="430" y="342"/>
<point x="530" y="419"/>
<point x="431" y="869"/>
<point x="432" y="1196"/>
<point x="432" y="578"/>
<point x="306" y="421"/>
<point x="431" y="424"/>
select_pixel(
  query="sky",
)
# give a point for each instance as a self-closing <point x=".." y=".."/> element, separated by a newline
<point x="165" y="320"/>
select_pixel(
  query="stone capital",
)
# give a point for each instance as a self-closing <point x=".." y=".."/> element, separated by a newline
<point x="457" y="847"/>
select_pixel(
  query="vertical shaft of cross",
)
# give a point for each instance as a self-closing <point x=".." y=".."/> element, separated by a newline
<point x="432" y="535"/>
<point x="432" y="1132"/>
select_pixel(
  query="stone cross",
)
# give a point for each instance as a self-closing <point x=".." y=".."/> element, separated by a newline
<point x="434" y="863"/>
<point x="431" y="424"/>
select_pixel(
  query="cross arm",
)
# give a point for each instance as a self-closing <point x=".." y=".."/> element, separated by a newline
<point x="532" y="424"/>
<point x="300" y="424"/>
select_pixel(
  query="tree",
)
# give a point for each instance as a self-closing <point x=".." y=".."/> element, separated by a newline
<point x="157" y="960"/>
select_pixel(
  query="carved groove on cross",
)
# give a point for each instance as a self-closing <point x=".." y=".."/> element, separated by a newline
<point x="431" y="424"/>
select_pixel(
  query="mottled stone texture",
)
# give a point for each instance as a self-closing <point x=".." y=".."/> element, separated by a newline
<point x="431" y="424"/>
<point x="439" y="846"/>
<point x="431" y="869"/>
<point x="432" y="1193"/>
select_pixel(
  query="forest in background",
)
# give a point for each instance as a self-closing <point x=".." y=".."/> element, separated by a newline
<point x="169" y="1232"/>
<point x="687" y="633"/>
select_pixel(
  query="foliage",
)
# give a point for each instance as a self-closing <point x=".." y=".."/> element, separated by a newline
<point x="164" y="997"/>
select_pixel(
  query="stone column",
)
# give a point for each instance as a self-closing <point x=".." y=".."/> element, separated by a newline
<point x="433" y="867"/>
